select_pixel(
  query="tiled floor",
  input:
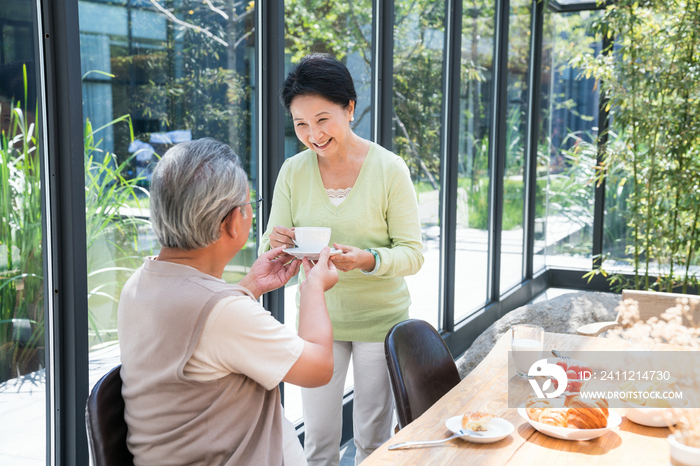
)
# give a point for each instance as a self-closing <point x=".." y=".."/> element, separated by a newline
<point x="347" y="454"/>
<point x="23" y="425"/>
<point x="23" y="411"/>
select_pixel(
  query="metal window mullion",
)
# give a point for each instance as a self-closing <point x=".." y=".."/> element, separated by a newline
<point x="269" y="124"/>
<point x="64" y="177"/>
<point x="46" y="237"/>
<point x="497" y="146"/>
<point x="599" y="206"/>
<point x="533" y="125"/>
<point x="382" y="72"/>
<point x="449" y="155"/>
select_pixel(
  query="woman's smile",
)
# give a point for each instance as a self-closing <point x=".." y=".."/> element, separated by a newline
<point x="323" y="144"/>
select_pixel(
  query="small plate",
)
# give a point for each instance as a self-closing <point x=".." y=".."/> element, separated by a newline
<point x="498" y="429"/>
<point x="311" y="255"/>
<point x="569" y="433"/>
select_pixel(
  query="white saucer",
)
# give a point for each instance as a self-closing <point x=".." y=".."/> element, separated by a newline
<point x="498" y="429"/>
<point x="568" y="433"/>
<point x="311" y="255"/>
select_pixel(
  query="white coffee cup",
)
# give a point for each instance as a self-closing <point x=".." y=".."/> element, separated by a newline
<point x="312" y="239"/>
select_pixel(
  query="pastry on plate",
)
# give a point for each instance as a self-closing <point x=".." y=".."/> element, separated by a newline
<point x="535" y="407"/>
<point x="554" y="417"/>
<point x="577" y="413"/>
<point x="588" y="414"/>
<point x="476" y="421"/>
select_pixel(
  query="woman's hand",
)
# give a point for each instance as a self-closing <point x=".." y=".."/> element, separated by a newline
<point x="353" y="258"/>
<point x="270" y="271"/>
<point x="323" y="273"/>
<point x="281" y="236"/>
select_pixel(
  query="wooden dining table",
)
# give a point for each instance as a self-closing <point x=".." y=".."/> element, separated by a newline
<point x="485" y="389"/>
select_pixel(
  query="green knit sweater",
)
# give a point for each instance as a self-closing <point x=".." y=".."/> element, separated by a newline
<point x="381" y="212"/>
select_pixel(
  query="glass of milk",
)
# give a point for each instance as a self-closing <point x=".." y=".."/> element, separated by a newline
<point x="527" y="342"/>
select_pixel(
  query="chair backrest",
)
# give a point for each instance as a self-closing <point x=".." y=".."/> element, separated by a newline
<point x="106" y="427"/>
<point x="421" y="368"/>
<point x="654" y="303"/>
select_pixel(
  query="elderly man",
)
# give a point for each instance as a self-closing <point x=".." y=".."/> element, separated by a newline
<point x="202" y="359"/>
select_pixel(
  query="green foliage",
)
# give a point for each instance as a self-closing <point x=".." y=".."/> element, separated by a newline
<point x="328" y="26"/>
<point x="652" y="82"/>
<point x="570" y="192"/>
<point x="198" y="79"/>
<point x="418" y="48"/>
<point x="109" y="221"/>
<point x="112" y="203"/>
<point x="21" y="283"/>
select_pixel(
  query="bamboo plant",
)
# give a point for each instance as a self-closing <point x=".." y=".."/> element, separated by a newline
<point x="650" y="77"/>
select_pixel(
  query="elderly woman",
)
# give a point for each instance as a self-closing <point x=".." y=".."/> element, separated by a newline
<point x="201" y="359"/>
<point x="364" y="194"/>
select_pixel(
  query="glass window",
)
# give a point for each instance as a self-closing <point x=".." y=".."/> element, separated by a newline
<point x="476" y="86"/>
<point x="344" y="30"/>
<point x="156" y="74"/>
<point x="22" y="348"/>
<point x="566" y="151"/>
<point x="419" y="36"/>
<point x="516" y="127"/>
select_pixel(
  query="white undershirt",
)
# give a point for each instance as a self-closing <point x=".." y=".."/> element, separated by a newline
<point x="337" y="196"/>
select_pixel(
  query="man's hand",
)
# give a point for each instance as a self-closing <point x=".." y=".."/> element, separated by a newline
<point x="270" y="271"/>
<point x="323" y="274"/>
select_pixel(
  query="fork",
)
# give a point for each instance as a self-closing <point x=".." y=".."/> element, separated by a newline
<point x="459" y="433"/>
<point x="566" y="359"/>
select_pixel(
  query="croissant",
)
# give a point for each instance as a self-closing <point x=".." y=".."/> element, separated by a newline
<point x="534" y="407"/>
<point x="588" y="414"/>
<point x="576" y="413"/>
<point x="554" y="417"/>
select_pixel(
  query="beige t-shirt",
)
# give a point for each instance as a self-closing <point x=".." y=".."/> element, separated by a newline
<point x="217" y="354"/>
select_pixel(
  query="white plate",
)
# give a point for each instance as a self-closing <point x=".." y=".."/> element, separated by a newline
<point x="569" y="433"/>
<point x="498" y="429"/>
<point x="651" y="417"/>
<point x="311" y="255"/>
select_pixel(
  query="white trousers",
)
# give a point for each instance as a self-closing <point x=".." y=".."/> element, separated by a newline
<point x="373" y="405"/>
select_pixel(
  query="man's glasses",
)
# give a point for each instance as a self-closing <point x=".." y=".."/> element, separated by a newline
<point x="253" y="204"/>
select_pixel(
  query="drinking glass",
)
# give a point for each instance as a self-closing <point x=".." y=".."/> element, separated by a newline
<point x="527" y="342"/>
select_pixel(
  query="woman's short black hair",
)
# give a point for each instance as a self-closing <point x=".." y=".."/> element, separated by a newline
<point x="321" y="74"/>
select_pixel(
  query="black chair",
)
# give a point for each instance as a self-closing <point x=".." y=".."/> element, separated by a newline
<point x="421" y="368"/>
<point x="106" y="427"/>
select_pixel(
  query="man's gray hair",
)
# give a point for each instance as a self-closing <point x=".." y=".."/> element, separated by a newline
<point x="194" y="186"/>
